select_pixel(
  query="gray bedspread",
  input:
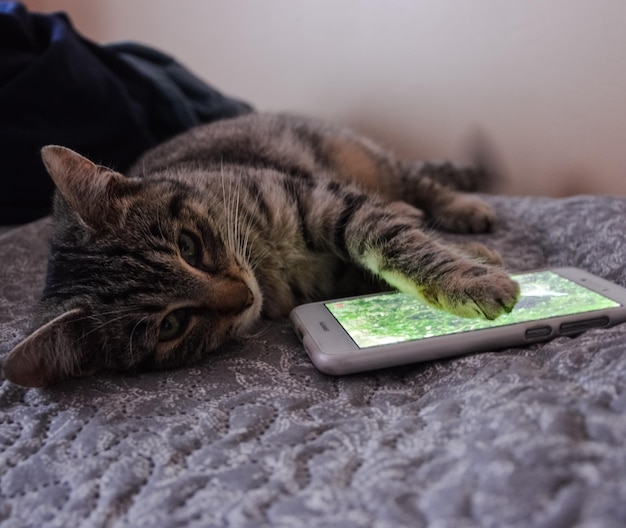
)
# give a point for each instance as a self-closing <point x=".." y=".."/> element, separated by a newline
<point x="526" y="437"/>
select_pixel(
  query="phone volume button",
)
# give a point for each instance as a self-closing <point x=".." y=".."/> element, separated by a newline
<point x="538" y="332"/>
<point x="581" y="326"/>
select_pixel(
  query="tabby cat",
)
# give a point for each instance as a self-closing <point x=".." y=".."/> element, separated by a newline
<point x="235" y="220"/>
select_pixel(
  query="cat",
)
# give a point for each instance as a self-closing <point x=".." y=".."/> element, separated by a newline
<point x="236" y="220"/>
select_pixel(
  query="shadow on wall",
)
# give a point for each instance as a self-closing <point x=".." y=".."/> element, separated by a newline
<point x="477" y="147"/>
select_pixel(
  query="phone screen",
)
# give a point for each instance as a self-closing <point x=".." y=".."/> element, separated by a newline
<point x="396" y="317"/>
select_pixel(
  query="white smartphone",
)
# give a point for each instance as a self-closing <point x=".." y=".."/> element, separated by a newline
<point x="344" y="336"/>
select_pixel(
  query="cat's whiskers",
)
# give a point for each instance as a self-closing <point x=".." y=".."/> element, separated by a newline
<point x="117" y="311"/>
<point x="124" y="313"/>
<point x="238" y="220"/>
<point x="246" y="247"/>
<point x="243" y="221"/>
<point x="233" y="216"/>
<point x="227" y="201"/>
<point x="260" y="254"/>
<point x="132" y="333"/>
<point x="245" y="224"/>
<point x="254" y="261"/>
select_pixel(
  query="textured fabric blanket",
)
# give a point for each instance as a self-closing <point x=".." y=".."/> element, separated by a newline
<point x="526" y="437"/>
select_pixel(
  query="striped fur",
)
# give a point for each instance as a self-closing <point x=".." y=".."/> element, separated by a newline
<point x="238" y="219"/>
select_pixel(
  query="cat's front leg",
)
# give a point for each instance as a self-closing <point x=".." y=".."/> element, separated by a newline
<point x="386" y="239"/>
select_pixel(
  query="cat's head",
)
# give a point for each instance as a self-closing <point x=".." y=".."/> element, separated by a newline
<point x="140" y="276"/>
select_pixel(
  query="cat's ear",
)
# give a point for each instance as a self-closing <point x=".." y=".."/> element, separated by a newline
<point x="91" y="190"/>
<point x="49" y="355"/>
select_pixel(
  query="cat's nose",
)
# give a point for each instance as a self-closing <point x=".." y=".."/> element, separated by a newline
<point x="231" y="296"/>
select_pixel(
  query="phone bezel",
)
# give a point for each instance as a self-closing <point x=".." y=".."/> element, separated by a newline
<point x="333" y="351"/>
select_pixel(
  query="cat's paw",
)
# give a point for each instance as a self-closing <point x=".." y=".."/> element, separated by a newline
<point x="465" y="214"/>
<point x="478" y="291"/>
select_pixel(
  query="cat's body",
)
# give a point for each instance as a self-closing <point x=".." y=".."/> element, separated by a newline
<point x="234" y="220"/>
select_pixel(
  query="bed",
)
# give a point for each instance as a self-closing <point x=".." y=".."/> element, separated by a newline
<point x="525" y="437"/>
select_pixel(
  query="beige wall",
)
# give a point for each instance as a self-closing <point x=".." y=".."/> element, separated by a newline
<point x="544" y="80"/>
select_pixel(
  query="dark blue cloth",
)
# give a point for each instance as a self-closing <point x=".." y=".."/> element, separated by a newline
<point x="109" y="103"/>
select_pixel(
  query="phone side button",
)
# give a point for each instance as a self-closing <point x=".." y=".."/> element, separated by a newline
<point x="580" y="326"/>
<point x="537" y="332"/>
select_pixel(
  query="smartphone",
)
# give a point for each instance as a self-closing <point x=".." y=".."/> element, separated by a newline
<point x="369" y="332"/>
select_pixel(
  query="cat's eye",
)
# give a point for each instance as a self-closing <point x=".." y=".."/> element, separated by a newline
<point x="173" y="325"/>
<point x="189" y="247"/>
